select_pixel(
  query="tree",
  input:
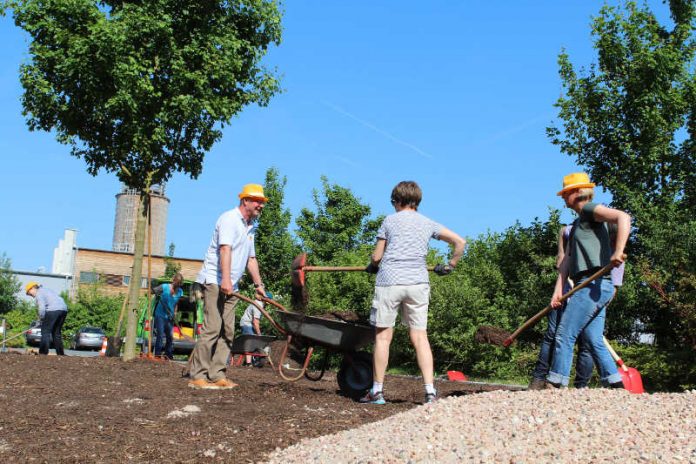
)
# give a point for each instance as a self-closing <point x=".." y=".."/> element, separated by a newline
<point x="275" y="247"/>
<point x="171" y="267"/>
<point x="9" y="285"/>
<point x="339" y="232"/>
<point x="630" y="120"/>
<point x="341" y="223"/>
<point x="143" y="89"/>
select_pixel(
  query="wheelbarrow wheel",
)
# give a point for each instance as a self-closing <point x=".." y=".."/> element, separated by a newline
<point x="355" y="375"/>
<point x="259" y="361"/>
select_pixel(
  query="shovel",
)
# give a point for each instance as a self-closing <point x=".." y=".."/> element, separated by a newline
<point x="629" y="375"/>
<point x="497" y="336"/>
<point x="299" y="296"/>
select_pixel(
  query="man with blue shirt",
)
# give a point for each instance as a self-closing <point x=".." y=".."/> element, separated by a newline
<point x="165" y="311"/>
<point x="231" y="250"/>
<point x="52" y="313"/>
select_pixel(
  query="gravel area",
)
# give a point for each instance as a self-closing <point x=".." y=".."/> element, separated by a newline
<point x="564" y="426"/>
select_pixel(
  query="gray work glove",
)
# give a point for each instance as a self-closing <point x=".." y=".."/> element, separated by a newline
<point x="443" y="269"/>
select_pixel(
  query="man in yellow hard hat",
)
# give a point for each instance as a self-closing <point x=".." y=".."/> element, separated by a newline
<point x="230" y="252"/>
<point x="52" y="313"/>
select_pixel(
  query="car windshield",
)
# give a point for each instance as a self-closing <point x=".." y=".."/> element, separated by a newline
<point x="92" y="330"/>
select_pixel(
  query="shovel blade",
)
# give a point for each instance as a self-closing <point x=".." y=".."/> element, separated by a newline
<point x="632" y="380"/>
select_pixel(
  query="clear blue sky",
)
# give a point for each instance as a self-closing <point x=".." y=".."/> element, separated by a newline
<point x="454" y="95"/>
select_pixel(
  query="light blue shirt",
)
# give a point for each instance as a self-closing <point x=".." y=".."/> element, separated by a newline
<point x="233" y="230"/>
<point x="48" y="300"/>
<point x="167" y="302"/>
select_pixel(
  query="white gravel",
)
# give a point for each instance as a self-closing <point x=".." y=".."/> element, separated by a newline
<point x="564" y="426"/>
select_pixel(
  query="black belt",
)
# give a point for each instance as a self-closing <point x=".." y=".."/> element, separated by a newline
<point x="582" y="274"/>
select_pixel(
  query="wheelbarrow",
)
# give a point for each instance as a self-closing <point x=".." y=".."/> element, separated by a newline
<point x="347" y="338"/>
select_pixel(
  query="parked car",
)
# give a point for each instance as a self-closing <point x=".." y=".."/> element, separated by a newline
<point x="189" y="316"/>
<point x="88" y="338"/>
<point x="33" y="335"/>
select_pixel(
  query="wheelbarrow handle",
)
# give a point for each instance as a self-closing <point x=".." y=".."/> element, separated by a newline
<point x="263" y="311"/>
<point x="534" y="319"/>
<point x="340" y="268"/>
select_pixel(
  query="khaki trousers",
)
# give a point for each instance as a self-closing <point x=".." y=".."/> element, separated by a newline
<point x="212" y="348"/>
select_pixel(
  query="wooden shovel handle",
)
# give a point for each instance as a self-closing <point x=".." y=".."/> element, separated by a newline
<point x="534" y="319"/>
<point x="614" y="355"/>
<point x="339" y="268"/>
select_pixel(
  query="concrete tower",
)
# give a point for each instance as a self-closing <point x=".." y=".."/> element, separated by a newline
<point x="127" y="214"/>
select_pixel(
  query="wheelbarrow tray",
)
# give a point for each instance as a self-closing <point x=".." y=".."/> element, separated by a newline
<point x="249" y="343"/>
<point x="338" y="335"/>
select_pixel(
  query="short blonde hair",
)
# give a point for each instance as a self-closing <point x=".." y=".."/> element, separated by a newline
<point x="586" y="193"/>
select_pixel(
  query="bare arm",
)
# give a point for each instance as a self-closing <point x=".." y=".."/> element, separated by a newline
<point x="623" y="221"/>
<point x="456" y="241"/>
<point x="257" y="326"/>
<point x="225" y="266"/>
<point x="378" y="252"/>
<point x="562" y="277"/>
<point x="253" y="268"/>
<point x="561" y="249"/>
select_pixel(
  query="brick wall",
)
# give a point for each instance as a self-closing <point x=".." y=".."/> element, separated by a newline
<point x="113" y="269"/>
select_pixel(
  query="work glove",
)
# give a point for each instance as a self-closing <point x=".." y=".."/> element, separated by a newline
<point x="372" y="268"/>
<point x="443" y="269"/>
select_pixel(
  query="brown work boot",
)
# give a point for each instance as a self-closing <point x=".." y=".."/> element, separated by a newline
<point x="222" y="384"/>
<point x="537" y="384"/>
<point x="200" y="384"/>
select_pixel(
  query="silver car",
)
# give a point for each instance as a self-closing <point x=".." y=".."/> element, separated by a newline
<point x="33" y="335"/>
<point x="88" y="338"/>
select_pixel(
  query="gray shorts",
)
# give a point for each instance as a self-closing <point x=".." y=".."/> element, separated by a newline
<point x="409" y="300"/>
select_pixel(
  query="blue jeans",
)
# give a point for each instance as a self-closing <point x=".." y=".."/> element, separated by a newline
<point x="584" y="315"/>
<point x="163" y="330"/>
<point x="247" y="330"/>
<point x="584" y="363"/>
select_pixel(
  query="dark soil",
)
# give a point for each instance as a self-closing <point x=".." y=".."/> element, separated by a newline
<point x="70" y="409"/>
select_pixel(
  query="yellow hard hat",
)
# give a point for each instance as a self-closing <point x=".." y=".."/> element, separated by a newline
<point x="29" y="286"/>
<point x="575" y="180"/>
<point x="253" y="191"/>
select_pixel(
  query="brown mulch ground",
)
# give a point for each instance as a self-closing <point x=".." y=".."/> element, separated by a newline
<point x="71" y="409"/>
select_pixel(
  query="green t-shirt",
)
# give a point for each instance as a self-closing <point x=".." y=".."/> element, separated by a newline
<point x="590" y="244"/>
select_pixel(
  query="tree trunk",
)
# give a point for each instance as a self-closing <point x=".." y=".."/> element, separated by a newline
<point x="135" y="281"/>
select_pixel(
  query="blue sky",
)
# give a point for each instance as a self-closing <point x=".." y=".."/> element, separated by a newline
<point x="454" y="95"/>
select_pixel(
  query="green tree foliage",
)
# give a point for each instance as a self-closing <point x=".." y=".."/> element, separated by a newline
<point x="9" y="285"/>
<point x="91" y="307"/>
<point x="142" y="89"/>
<point x="339" y="223"/>
<point x="503" y="279"/>
<point x="171" y="267"/>
<point x="18" y="319"/>
<point x="275" y="247"/>
<point x="630" y="120"/>
<point x="339" y="232"/>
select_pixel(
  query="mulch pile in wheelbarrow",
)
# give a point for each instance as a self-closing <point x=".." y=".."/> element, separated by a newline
<point x="69" y="409"/>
